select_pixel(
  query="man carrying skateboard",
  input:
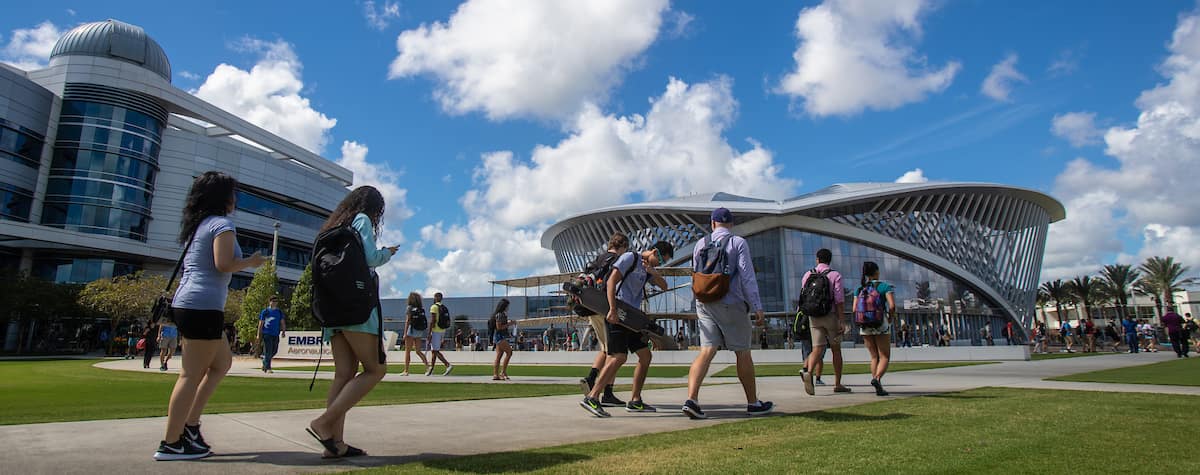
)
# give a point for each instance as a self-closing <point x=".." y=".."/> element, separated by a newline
<point x="724" y="323"/>
<point x="618" y="244"/>
<point x="629" y="287"/>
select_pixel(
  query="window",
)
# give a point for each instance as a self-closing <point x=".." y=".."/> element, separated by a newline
<point x="79" y="270"/>
<point x="291" y="254"/>
<point x="94" y="219"/>
<point x="254" y="203"/>
<point x="15" y="202"/>
<point x="20" y="147"/>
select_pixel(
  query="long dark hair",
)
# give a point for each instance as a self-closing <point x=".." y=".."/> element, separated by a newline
<point x="501" y="306"/>
<point x="414" y="300"/>
<point x="364" y="199"/>
<point x="210" y="195"/>
<point x="869" y="269"/>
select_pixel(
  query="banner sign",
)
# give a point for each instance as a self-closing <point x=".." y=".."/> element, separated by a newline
<point x="307" y="345"/>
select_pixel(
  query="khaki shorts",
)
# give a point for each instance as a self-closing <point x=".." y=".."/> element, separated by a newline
<point x="826" y="328"/>
<point x="600" y="330"/>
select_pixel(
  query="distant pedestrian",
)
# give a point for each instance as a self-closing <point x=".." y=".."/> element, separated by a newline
<point x="272" y="324"/>
<point x="722" y="319"/>
<point x="1149" y="341"/>
<point x="1113" y="335"/>
<point x="822" y="291"/>
<point x="875" y="301"/>
<point x="905" y="335"/>
<point x="1068" y="336"/>
<point x="150" y="342"/>
<point x="168" y="340"/>
<point x="416" y="327"/>
<point x="439" y="314"/>
<point x="1174" y="325"/>
<point x="985" y="333"/>
<point x="198" y="308"/>
<point x="1131" y="334"/>
<point x="1089" y="332"/>
<point x="131" y="343"/>
<point x="500" y="338"/>
<point x="1009" y="334"/>
<point x="1039" y="337"/>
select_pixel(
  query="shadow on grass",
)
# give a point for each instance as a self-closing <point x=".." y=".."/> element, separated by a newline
<point x="506" y="462"/>
<point x="961" y="396"/>
<point x="824" y="416"/>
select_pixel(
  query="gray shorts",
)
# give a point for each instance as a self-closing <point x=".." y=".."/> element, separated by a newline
<point x="723" y="326"/>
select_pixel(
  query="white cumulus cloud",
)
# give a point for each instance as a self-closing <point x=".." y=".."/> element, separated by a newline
<point x="856" y="55"/>
<point x="29" y="48"/>
<point x="528" y="58"/>
<point x="999" y="83"/>
<point x="915" y="175"/>
<point x="268" y="95"/>
<point x="678" y="147"/>
<point x="1077" y="128"/>
<point x="1157" y="162"/>
<point x="380" y="16"/>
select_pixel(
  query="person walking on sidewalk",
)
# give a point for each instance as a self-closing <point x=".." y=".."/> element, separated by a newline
<point x="198" y="308"/>
<point x="1174" y="325"/>
<point x="437" y="313"/>
<point x="150" y="337"/>
<point x="499" y="324"/>
<point x="618" y="244"/>
<point x="627" y="282"/>
<point x="1131" y="333"/>
<point x="823" y="299"/>
<point x="722" y="318"/>
<point x="272" y="324"/>
<point x="168" y="341"/>
<point x="872" y="298"/>
<point x="354" y="345"/>
<point x="416" y="327"/>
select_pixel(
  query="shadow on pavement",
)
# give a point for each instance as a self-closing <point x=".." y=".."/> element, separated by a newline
<point x="279" y="458"/>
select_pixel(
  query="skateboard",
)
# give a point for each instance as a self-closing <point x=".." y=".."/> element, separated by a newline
<point x="629" y="316"/>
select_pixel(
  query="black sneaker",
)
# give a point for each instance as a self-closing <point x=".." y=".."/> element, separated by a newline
<point x="879" y="391"/>
<point x="611" y="400"/>
<point x="593" y="406"/>
<point x="760" y="408"/>
<point x="192" y="435"/>
<point x="639" y="406"/>
<point x="162" y="368"/>
<point x="693" y="410"/>
<point x="180" y="450"/>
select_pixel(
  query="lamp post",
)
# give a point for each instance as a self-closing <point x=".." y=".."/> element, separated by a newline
<point x="275" y="243"/>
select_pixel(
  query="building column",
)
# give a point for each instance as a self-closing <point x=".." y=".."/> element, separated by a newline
<point x="26" y="265"/>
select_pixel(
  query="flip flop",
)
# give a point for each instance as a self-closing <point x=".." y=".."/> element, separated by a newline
<point x="329" y="443"/>
<point x="497" y="378"/>
<point x="352" y="451"/>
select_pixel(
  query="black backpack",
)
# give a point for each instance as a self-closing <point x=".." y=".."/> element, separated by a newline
<point x="344" y="288"/>
<point x="443" y="320"/>
<point x="417" y="320"/>
<point x="599" y="269"/>
<point x="816" y="298"/>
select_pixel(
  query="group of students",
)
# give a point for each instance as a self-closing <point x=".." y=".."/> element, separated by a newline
<point x="197" y="310"/>
<point x="1139" y="334"/>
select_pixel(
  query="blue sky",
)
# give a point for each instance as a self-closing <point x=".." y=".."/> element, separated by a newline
<point x="1071" y="57"/>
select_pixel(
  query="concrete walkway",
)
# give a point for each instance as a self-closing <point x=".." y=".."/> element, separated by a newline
<point x="275" y="442"/>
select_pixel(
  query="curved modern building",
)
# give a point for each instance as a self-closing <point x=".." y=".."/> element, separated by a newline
<point x="967" y="253"/>
<point x="98" y="150"/>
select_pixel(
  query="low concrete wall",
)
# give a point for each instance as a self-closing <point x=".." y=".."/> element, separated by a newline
<point x="858" y="355"/>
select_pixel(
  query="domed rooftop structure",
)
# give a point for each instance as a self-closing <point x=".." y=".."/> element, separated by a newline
<point x="117" y="40"/>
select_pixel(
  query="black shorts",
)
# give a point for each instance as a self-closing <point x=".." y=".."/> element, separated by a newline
<point x="622" y="340"/>
<point x="199" y="324"/>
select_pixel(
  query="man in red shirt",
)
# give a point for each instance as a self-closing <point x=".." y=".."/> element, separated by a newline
<point x="1174" y="324"/>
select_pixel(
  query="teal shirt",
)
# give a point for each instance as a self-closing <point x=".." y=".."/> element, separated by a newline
<point x="375" y="258"/>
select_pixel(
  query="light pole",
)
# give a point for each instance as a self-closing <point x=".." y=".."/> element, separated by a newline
<point x="275" y="243"/>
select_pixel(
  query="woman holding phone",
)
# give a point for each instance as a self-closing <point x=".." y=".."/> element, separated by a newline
<point x="353" y="345"/>
<point x="198" y="310"/>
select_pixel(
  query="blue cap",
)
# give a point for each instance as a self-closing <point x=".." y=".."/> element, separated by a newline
<point x="722" y="215"/>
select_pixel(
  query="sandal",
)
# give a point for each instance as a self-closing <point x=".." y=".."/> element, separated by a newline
<point x="352" y="451"/>
<point x="497" y="378"/>
<point x="329" y="443"/>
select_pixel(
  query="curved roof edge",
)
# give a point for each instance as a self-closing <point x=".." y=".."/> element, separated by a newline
<point x="117" y="40"/>
<point x="830" y="196"/>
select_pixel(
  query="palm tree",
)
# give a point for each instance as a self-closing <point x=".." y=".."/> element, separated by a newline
<point x="1043" y="299"/>
<point x="1083" y="289"/>
<point x="1101" y="294"/>
<point x="1120" y="279"/>
<point x="1147" y="288"/>
<point x="1167" y="276"/>
<point x="1056" y="290"/>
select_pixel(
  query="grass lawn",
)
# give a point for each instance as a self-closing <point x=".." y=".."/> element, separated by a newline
<point x="521" y="370"/>
<point x="990" y="430"/>
<point x="1077" y="354"/>
<point x="73" y="390"/>
<point x="1181" y="372"/>
<point x="848" y="368"/>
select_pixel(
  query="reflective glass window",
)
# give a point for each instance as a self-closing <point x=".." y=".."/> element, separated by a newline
<point x="15" y="202"/>
<point x="20" y="147"/>
<point x="263" y="206"/>
<point x="96" y="219"/>
<point x="79" y="270"/>
<point x="293" y="255"/>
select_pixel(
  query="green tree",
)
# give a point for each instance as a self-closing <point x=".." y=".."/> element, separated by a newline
<point x="29" y="301"/>
<point x="1043" y="299"/>
<point x="1058" y="292"/>
<point x="300" y="316"/>
<point x="262" y="287"/>
<point x="1167" y="276"/>
<point x="123" y="298"/>
<point x="1083" y="289"/>
<point x="1120" y="279"/>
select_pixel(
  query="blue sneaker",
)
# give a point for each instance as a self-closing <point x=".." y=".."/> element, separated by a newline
<point x="760" y="408"/>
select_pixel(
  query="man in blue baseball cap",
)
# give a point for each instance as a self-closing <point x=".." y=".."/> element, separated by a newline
<point x="723" y="319"/>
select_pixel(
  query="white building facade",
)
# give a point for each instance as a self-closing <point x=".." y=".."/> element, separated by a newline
<point x="98" y="150"/>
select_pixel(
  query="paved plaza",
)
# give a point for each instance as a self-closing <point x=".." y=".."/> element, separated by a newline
<point x="275" y="442"/>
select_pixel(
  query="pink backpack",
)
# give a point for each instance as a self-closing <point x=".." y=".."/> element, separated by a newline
<point x="870" y="309"/>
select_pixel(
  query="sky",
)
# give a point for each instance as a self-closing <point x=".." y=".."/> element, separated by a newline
<point x="484" y="122"/>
